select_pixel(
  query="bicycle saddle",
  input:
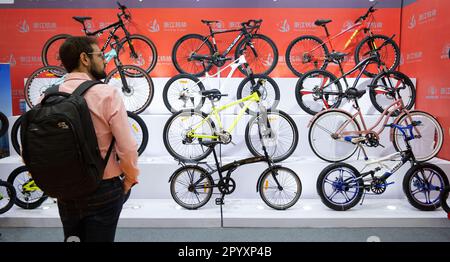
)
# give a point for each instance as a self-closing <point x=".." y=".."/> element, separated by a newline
<point x="338" y="56"/>
<point x="212" y="94"/>
<point x="209" y="21"/>
<point x="81" y="19"/>
<point x="354" y="93"/>
<point x="322" y="22"/>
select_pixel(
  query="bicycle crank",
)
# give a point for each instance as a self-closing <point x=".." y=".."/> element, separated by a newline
<point x="226" y="186"/>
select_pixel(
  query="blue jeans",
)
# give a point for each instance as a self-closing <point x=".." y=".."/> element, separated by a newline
<point x="94" y="218"/>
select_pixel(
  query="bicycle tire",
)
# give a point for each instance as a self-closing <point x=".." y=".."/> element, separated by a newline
<point x="302" y="91"/>
<point x="444" y="200"/>
<point x="268" y="61"/>
<point x="179" y="134"/>
<point x="438" y="136"/>
<point x="140" y="128"/>
<point x="203" y="173"/>
<point x="369" y="39"/>
<point x="270" y="104"/>
<point x="51" y="43"/>
<point x="11" y="193"/>
<point x="15" y="135"/>
<point x="264" y="185"/>
<point x="177" y="82"/>
<point x="375" y="90"/>
<point x="140" y="85"/>
<point x="295" y="67"/>
<point x="151" y="54"/>
<point x="326" y="199"/>
<point x="407" y="189"/>
<point x="39" y="81"/>
<point x="312" y="138"/>
<point x="273" y="141"/>
<point x="4" y="124"/>
<point x="176" y="56"/>
<point x="21" y="193"/>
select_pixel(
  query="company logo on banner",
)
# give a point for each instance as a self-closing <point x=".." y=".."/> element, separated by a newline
<point x="427" y="16"/>
<point x="347" y="24"/>
<point x="414" y="57"/>
<point x="23" y="26"/>
<point x="283" y="26"/>
<point x="9" y="60"/>
<point x="445" y="52"/>
<point x="412" y="22"/>
<point x="434" y="93"/>
<point x="165" y="60"/>
<point x="268" y="60"/>
<point x="175" y="26"/>
<point x="375" y="26"/>
<point x="304" y="26"/>
<point x="153" y="26"/>
<point x="30" y="60"/>
<point x="234" y="24"/>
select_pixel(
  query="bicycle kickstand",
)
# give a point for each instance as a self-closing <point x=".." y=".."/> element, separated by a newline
<point x="220" y="202"/>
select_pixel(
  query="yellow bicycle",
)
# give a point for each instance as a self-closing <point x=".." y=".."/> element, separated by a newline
<point x="185" y="131"/>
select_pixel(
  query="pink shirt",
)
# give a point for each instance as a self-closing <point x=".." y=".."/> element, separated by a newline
<point x="110" y="119"/>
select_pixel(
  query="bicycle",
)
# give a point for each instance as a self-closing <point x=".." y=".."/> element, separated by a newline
<point x="135" y="84"/>
<point x="185" y="129"/>
<point x="4" y="124"/>
<point x="341" y="186"/>
<point x="335" y="134"/>
<point x="191" y="186"/>
<point x="319" y="89"/>
<point x="137" y="127"/>
<point x="310" y="52"/>
<point x="190" y="50"/>
<point x="135" y="49"/>
<point x="7" y="196"/>
<point x="183" y="91"/>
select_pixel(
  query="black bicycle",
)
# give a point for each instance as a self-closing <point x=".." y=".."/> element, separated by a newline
<point x="4" y="124"/>
<point x="190" y="51"/>
<point x="7" y="196"/>
<point x="135" y="49"/>
<point x="319" y="89"/>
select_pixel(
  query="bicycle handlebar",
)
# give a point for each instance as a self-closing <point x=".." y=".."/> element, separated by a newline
<point x="123" y="8"/>
<point x="369" y="11"/>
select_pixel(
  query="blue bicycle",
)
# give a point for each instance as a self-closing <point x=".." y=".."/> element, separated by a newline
<point x="341" y="186"/>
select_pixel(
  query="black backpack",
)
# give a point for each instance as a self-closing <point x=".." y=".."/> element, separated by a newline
<point x="59" y="145"/>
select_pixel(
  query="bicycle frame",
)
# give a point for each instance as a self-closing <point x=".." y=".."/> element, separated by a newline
<point x="242" y="33"/>
<point x="248" y="100"/>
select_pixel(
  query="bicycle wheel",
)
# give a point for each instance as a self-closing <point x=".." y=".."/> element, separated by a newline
<point x="191" y="187"/>
<point x="318" y="90"/>
<point x="39" y="81"/>
<point x="50" y="51"/>
<point x="445" y="200"/>
<point x="279" y="133"/>
<point x="281" y="195"/>
<point x="423" y="184"/>
<point x="389" y="53"/>
<point x="269" y="90"/>
<point x="306" y="53"/>
<point x="4" y="124"/>
<point x="139" y="130"/>
<point x="7" y="196"/>
<point x="183" y="92"/>
<point x="339" y="186"/>
<point x="428" y="144"/>
<point x="326" y="139"/>
<point x="138" y="92"/>
<point x="384" y="87"/>
<point x="15" y="135"/>
<point x="187" y="46"/>
<point x="145" y="55"/>
<point x="260" y="52"/>
<point x="29" y="196"/>
<point x="176" y="139"/>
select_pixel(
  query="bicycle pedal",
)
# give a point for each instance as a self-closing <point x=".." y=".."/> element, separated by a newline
<point x="219" y="201"/>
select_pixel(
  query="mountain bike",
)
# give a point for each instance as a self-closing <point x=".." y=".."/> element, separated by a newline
<point x="186" y="130"/>
<point x="191" y="186"/>
<point x="7" y="196"/>
<point x="341" y="186"/>
<point x="4" y="124"/>
<point x="190" y="51"/>
<point x="135" y="85"/>
<point x="134" y="49"/>
<point x="309" y="52"/>
<point x="335" y="134"/>
<point x="183" y="91"/>
<point x="137" y="127"/>
<point x="319" y="89"/>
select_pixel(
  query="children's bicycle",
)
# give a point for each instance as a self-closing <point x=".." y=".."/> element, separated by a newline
<point x="341" y="186"/>
<point x="183" y="91"/>
<point x="192" y="186"/>
<point x="186" y="131"/>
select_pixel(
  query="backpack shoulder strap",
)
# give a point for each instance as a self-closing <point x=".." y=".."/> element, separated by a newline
<point x="85" y="86"/>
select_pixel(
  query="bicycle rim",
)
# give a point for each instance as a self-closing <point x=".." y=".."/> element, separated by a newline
<point x="280" y="197"/>
<point x="191" y="187"/>
<point x="340" y="188"/>
<point x="184" y="93"/>
<point x="425" y="186"/>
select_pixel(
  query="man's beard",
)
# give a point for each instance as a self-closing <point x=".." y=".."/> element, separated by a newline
<point x="98" y="75"/>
